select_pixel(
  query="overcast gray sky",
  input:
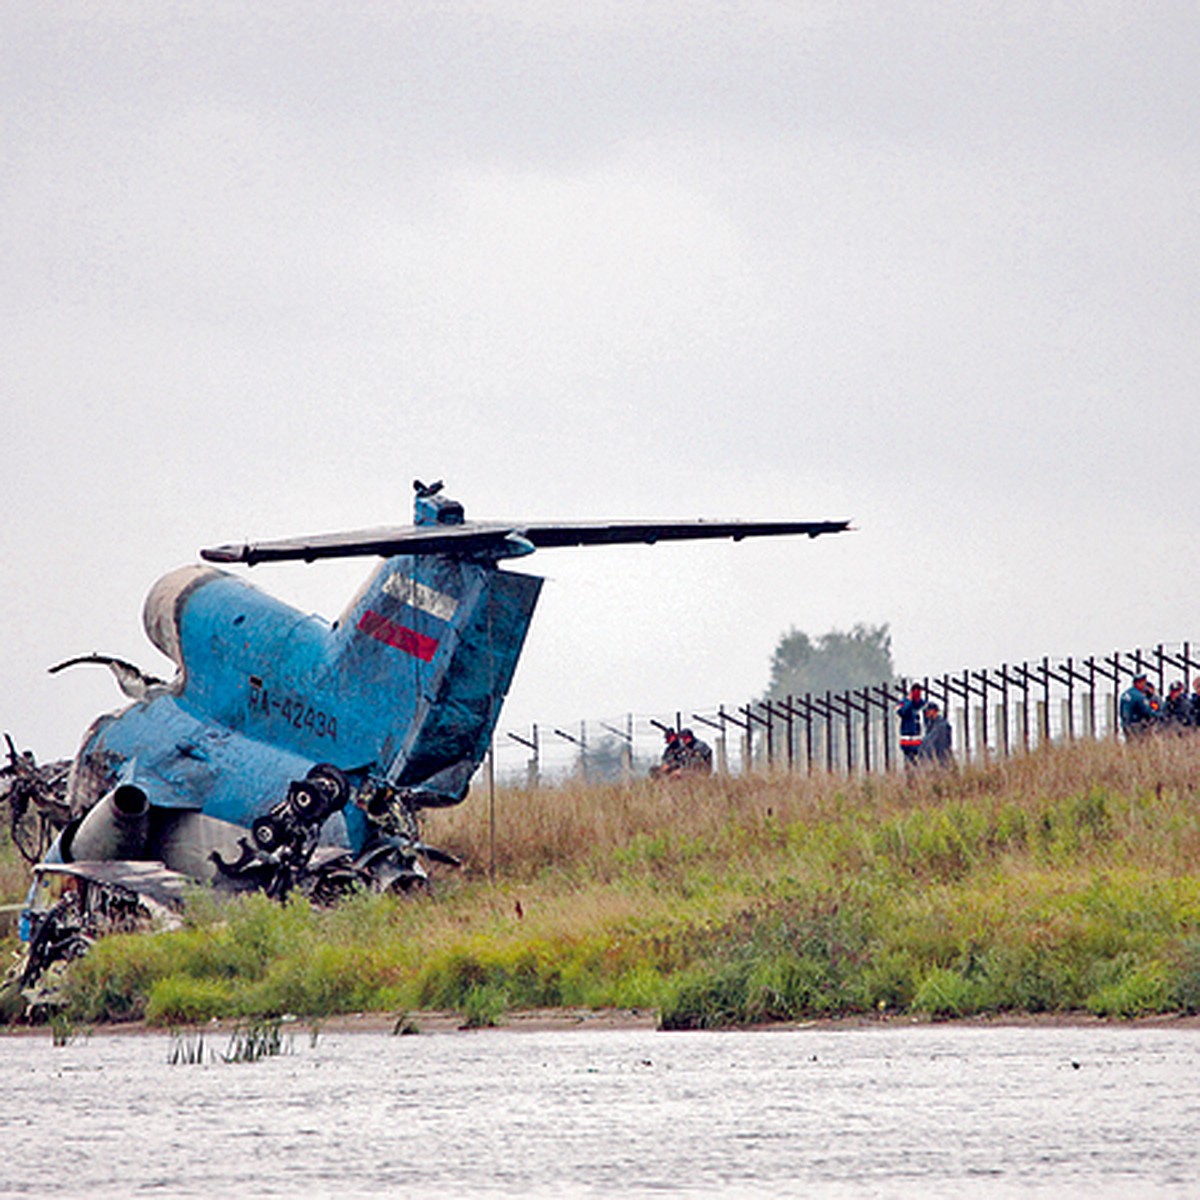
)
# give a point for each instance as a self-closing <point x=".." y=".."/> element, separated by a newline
<point x="932" y="267"/>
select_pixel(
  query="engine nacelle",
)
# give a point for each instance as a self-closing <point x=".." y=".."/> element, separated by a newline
<point x="117" y="827"/>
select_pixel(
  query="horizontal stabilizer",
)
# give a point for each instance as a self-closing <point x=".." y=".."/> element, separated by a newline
<point x="497" y="540"/>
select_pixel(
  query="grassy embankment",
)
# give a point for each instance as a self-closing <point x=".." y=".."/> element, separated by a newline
<point x="1059" y="881"/>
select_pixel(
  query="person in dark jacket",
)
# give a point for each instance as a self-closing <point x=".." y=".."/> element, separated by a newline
<point x="1194" y="704"/>
<point x="697" y="758"/>
<point x="672" y="756"/>
<point x="684" y="754"/>
<point x="910" y="723"/>
<point x="936" y="747"/>
<point x="1177" y="711"/>
<point x="1138" y="709"/>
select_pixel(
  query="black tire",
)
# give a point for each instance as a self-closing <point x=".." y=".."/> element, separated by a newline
<point x="308" y="802"/>
<point x="266" y="832"/>
<point x="30" y="834"/>
<point x="333" y="782"/>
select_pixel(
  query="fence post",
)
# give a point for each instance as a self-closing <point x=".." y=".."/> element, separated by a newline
<point x="981" y="712"/>
<point x="625" y="737"/>
<point x="865" y="696"/>
<point x="729" y="718"/>
<point x="966" y="718"/>
<point x="885" y="708"/>
<point x="532" y="773"/>
<point x="1025" y="734"/>
<point x="1090" y="719"/>
<point x="769" y="724"/>
<point x="1069" y="707"/>
<point x="747" y="763"/>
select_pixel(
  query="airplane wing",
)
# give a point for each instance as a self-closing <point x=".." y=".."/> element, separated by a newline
<point x="150" y="880"/>
<point x="504" y="540"/>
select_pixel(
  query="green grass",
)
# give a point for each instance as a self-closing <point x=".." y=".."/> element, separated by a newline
<point x="1060" y="881"/>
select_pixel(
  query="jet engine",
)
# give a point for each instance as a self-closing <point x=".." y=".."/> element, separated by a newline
<point x="117" y="827"/>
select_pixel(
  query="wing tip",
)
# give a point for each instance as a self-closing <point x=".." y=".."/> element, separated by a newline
<point x="226" y="554"/>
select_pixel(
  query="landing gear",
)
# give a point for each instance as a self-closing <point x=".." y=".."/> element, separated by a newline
<point x="286" y="836"/>
<point x="285" y="855"/>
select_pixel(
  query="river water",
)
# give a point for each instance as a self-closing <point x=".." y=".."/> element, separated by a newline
<point x="930" y="1111"/>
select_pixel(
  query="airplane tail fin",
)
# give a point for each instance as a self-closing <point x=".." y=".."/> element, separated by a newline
<point x="439" y="637"/>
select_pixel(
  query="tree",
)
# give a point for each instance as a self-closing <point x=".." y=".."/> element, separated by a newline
<point x="608" y="758"/>
<point x="833" y="662"/>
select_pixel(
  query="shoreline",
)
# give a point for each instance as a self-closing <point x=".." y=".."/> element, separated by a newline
<point x="550" y="1020"/>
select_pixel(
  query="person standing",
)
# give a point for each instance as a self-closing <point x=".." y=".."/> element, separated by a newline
<point x="1177" y="711"/>
<point x="936" y="746"/>
<point x="1194" y="704"/>
<point x="910" y="723"/>
<point x="1137" y="711"/>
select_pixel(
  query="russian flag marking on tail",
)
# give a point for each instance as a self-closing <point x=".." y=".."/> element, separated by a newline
<point x="420" y="596"/>
<point x="391" y="633"/>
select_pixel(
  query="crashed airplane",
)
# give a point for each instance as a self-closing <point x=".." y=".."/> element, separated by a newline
<point x="289" y="752"/>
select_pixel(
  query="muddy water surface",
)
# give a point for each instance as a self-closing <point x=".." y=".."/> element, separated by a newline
<point x="924" y="1111"/>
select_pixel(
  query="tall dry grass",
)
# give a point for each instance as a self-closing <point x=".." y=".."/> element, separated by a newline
<point x="576" y="825"/>
<point x="1059" y="879"/>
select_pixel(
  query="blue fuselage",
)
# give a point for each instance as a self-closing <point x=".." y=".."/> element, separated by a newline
<point x="405" y="688"/>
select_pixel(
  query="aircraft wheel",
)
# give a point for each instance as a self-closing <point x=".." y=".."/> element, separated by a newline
<point x="308" y="801"/>
<point x="332" y="782"/>
<point x="266" y="832"/>
<point x="30" y="832"/>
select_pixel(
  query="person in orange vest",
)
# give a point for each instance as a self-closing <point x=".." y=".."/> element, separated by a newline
<point x="910" y="723"/>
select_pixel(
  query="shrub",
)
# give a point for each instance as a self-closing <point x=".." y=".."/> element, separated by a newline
<point x="707" y="998"/>
<point x="1137" y="991"/>
<point x="180" y="1000"/>
<point x="944" y="993"/>
<point x="484" y="1007"/>
<point x="1186" y="994"/>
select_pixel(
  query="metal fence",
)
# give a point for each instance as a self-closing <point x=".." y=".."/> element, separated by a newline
<point x="1005" y="710"/>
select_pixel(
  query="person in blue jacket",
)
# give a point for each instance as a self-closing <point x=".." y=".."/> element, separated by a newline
<point x="910" y="723"/>
<point x="1137" y="711"/>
